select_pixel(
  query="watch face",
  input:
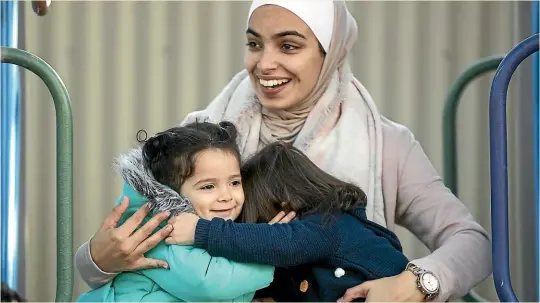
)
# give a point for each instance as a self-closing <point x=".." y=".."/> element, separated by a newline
<point x="429" y="282"/>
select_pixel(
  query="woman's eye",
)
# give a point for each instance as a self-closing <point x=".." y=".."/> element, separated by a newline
<point x="289" y="47"/>
<point x="252" y="44"/>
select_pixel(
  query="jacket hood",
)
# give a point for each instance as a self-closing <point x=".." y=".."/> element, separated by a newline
<point x="161" y="198"/>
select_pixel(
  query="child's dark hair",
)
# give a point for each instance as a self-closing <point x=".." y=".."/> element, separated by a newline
<point x="280" y="177"/>
<point x="170" y="155"/>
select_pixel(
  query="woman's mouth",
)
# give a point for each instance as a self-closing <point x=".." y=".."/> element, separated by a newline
<point x="272" y="87"/>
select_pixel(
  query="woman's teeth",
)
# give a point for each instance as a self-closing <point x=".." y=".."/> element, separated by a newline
<point x="272" y="83"/>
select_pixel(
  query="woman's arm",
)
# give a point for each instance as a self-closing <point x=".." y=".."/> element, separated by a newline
<point x="295" y="243"/>
<point x="461" y="250"/>
<point x="195" y="276"/>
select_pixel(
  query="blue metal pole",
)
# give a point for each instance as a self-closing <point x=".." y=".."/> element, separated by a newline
<point x="536" y="132"/>
<point x="499" y="165"/>
<point x="10" y="142"/>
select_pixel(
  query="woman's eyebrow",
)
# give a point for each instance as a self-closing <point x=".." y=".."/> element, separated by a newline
<point x="278" y="35"/>
<point x="289" y="33"/>
<point x="252" y="32"/>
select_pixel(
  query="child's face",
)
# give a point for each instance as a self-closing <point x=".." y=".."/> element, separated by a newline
<point x="215" y="188"/>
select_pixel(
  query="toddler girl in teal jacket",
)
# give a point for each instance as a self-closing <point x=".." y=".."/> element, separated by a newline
<point x="190" y="169"/>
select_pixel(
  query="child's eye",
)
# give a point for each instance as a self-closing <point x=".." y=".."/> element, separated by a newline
<point x="236" y="183"/>
<point x="207" y="187"/>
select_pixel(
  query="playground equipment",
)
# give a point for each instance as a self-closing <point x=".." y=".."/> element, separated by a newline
<point x="457" y="88"/>
<point x="64" y="164"/>
<point x="451" y="105"/>
<point x="499" y="165"/>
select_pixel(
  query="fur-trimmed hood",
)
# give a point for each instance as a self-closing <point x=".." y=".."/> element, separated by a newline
<point x="160" y="197"/>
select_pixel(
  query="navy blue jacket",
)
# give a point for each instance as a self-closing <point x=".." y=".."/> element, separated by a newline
<point x="310" y="250"/>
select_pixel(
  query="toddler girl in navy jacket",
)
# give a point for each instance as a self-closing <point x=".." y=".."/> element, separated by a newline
<point x="331" y="247"/>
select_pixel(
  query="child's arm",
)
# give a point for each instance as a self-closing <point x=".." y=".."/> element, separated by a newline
<point x="295" y="243"/>
<point x="195" y="276"/>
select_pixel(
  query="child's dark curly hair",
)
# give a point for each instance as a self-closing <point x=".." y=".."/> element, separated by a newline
<point x="170" y="155"/>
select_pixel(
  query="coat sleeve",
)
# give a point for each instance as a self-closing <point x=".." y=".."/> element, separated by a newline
<point x="195" y="276"/>
<point x="298" y="242"/>
<point x="461" y="250"/>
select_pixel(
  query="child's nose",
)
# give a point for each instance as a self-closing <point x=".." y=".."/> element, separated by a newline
<point x="225" y="196"/>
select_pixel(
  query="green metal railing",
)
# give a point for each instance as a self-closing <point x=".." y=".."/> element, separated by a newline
<point x="474" y="71"/>
<point x="64" y="165"/>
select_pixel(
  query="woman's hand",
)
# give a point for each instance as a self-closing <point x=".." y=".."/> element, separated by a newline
<point x="400" y="288"/>
<point x="184" y="226"/>
<point x="120" y="248"/>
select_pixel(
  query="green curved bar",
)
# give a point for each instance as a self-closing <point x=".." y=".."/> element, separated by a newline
<point x="449" y="129"/>
<point x="64" y="165"/>
<point x="450" y="115"/>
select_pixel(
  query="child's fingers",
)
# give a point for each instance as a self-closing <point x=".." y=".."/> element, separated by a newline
<point x="288" y="218"/>
<point x="170" y="241"/>
<point x="277" y="218"/>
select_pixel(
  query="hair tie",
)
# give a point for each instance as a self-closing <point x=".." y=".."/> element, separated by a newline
<point x="140" y="133"/>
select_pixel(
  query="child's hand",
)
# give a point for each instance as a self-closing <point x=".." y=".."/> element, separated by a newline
<point x="283" y="217"/>
<point x="184" y="226"/>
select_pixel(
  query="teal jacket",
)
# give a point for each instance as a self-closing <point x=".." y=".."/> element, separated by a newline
<point x="193" y="275"/>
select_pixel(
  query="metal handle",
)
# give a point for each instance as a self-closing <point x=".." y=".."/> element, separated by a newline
<point x="451" y="104"/>
<point x="450" y="115"/>
<point x="64" y="165"/>
<point x="499" y="165"/>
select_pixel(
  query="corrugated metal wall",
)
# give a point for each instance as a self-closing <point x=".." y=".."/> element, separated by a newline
<point x="145" y="65"/>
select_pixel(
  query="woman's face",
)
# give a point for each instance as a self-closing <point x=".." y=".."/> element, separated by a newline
<point x="283" y="57"/>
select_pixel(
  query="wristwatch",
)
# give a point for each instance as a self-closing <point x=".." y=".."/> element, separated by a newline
<point x="426" y="281"/>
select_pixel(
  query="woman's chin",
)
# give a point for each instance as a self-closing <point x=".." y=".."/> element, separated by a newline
<point x="276" y="104"/>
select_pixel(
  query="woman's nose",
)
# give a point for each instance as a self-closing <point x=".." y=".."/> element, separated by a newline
<point x="267" y="62"/>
